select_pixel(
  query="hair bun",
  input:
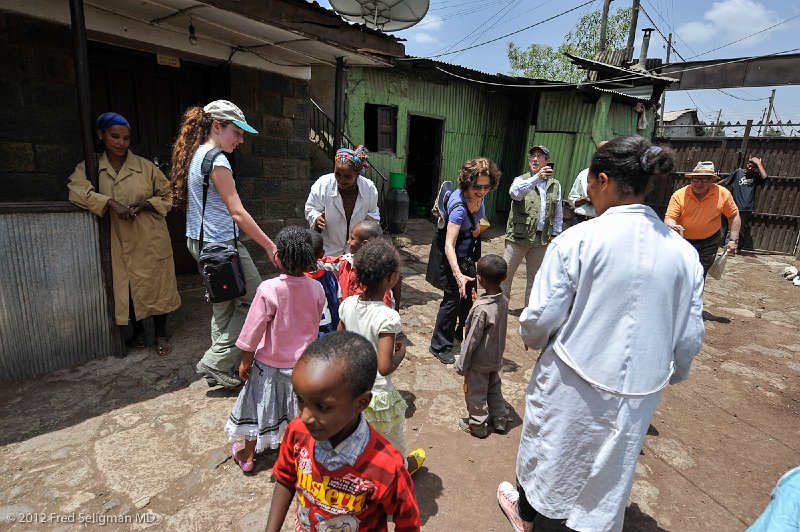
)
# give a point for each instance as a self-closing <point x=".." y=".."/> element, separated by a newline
<point x="656" y="160"/>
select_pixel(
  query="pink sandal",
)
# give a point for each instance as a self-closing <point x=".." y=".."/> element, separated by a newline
<point x="246" y="467"/>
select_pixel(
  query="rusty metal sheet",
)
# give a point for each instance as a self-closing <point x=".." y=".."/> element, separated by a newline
<point x="54" y="308"/>
<point x="742" y="72"/>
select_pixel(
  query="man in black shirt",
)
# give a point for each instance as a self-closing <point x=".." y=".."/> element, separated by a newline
<point x="742" y="183"/>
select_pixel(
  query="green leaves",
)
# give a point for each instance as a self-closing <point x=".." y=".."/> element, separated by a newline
<point x="541" y="61"/>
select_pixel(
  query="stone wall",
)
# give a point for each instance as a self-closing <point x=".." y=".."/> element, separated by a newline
<point x="39" y="139"/>
<point x="272" y="168"/>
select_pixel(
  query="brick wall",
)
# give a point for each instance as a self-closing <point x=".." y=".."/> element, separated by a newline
<point x="39" y="138"/>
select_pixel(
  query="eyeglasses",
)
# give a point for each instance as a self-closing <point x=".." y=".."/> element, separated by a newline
<point x="481" y="187"/>
<point x="700" y="179"/>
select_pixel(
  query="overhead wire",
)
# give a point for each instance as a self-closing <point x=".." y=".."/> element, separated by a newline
<point x="746" y="37"/>
<point x="513" y="32"/>
<point x="480" y="26"/>
<point x="500" y="19"/>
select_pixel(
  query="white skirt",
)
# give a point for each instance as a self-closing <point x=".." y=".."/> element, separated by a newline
<point x="579" y="447"/>
<point x="265" y="406"/>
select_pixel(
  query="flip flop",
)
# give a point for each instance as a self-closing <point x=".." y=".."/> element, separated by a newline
<point x="415" y="460"/>
<point x="246" y="467"/>
<point x="163" y="347"/>
<point x="136" y="342"/>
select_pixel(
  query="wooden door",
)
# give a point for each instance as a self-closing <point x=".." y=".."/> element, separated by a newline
<point x="153" y="98"/>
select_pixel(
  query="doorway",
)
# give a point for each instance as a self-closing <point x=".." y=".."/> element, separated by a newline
<point x="424" y="163"/>
<point x="153" y="98"/>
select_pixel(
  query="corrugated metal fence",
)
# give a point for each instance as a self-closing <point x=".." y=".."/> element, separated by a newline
<point x="53" y="306"/>
<point x="776" y="220"/>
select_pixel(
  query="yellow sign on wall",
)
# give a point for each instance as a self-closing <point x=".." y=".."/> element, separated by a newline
<point x="168" y="60"/>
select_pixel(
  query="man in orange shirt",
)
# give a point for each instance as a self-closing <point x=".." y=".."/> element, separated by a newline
<point x="695" y="212"/>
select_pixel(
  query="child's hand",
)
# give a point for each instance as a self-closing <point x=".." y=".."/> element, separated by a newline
<point x="244" y="370"/>
<point x="474" y="295"/>
<point x="399" y="353"/>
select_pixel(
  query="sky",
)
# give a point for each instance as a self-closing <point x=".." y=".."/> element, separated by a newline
<point x="739" y="28"/>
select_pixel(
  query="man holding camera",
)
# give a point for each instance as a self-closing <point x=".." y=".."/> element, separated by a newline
<point x="536" y="216"/>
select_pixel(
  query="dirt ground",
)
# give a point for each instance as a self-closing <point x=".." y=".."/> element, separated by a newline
<point x="138" y="442"/>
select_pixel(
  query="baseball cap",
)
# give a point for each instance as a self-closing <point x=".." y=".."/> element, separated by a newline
<point x="225" y="110"/>
<point x="540" y="148"/>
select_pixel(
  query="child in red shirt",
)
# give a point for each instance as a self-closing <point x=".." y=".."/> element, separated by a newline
<point x="345" y="474"/>
<point x="360" y="234"/>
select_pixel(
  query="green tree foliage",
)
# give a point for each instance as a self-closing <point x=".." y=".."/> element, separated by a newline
<point x="541" y="61"/>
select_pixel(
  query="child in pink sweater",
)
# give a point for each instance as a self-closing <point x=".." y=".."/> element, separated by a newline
<point x="282" y="321"/>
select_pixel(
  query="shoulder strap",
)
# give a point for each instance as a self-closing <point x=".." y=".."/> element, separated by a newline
<point x="205" y="168"/>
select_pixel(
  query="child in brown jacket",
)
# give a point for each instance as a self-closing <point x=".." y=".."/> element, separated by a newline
<point x="482" y="351"/>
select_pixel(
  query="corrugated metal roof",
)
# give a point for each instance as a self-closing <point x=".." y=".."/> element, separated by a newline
<point x="674" y="115"/>
<point x="636" y="74"/>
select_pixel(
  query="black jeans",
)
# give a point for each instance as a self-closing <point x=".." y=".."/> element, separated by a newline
<point x="707" y="249"/>
<point x="452" y="313"/>
<point x="540" y="523"/>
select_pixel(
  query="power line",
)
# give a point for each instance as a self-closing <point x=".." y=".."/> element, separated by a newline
<point x="746" y="37"/>
<point x="743" y="99"/>
<point x="480" y="26"/>
<point x="500" y="19"/>
<point x="513" y="32"/>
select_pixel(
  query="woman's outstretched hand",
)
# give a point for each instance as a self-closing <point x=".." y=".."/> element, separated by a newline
<point x="462" y="281"/>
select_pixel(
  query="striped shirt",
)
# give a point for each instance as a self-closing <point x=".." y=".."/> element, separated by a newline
<point x="218" y="221"/>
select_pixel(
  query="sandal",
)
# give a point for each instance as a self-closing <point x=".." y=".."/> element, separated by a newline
<point x="415" y="460"/>
<point x="246" y="467"/>
<point x="163" y="347"/>
<point x="137" y="341"/>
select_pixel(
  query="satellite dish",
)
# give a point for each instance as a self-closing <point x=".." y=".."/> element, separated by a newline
<point x="383" y="15"/>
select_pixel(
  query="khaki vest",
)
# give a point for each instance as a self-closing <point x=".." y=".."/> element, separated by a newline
<point x="524" y="215"/>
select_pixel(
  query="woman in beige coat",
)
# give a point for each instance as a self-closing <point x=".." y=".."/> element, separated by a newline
<point x="138" y="196"/>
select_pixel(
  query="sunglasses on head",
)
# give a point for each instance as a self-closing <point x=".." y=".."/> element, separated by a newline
<point x="481" y="187"/>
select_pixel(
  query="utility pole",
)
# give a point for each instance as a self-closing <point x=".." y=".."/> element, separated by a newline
<point x="664" y="94"/>
<point x="716" y="124"/>
<point x="604" y="24"/>
<point x="769" y="112"/>
<point x="632" y="30"/>
<point x="761" y="122"/>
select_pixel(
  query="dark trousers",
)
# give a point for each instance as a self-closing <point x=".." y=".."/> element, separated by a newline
<point x="452" y="311"/>
<point x="745" y="238"/>
<point x="159" y="321"/>
<point x="540" y="522"/>
<point x="707" y="249"/>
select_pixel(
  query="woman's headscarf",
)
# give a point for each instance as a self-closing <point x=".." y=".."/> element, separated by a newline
<point x="107" y="120"/>
<point x="357" y="158"/>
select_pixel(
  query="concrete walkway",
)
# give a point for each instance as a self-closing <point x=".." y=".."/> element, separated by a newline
<point x="138" y="443"/>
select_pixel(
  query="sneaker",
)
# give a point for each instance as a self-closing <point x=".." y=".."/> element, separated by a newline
<point x="499" y="423"/>
<point x="440" y="209"/>
<point x="477" y="430"/>
<point x="226" y="380"/>
<point x="508" y="499"/>
<point x="445" y="356"/>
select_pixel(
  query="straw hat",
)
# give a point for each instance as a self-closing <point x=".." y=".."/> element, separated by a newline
<point x="703" y="168"/>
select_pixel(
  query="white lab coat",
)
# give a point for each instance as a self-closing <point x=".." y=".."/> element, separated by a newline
<point x="324" y="197"/>
<point x="617" y="307"/>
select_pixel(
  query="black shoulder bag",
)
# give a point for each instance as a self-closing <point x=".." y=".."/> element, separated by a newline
<point x="218" y="263"/>
<point x="437" y="260"/>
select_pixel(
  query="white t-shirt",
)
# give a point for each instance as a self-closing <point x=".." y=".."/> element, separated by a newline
<point x="370" y="319"/>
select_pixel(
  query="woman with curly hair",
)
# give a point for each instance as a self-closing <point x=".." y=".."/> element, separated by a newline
<point x="465" y="208"/>
<point x="220" y="124"/>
